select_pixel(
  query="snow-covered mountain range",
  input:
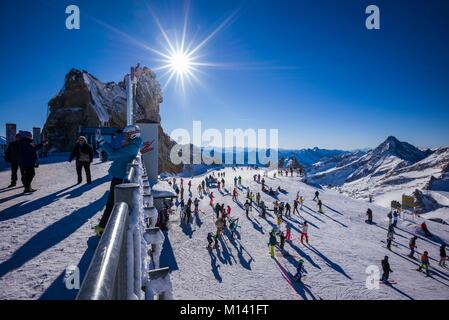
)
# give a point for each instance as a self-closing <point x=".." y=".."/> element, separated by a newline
<point x="386" y="172"/>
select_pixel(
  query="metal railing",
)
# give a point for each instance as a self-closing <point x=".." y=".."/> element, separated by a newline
<point x="105" y="279"/>
<point x="129" y="250"/>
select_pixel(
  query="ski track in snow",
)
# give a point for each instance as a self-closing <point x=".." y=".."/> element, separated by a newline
<point x="41" y="234"/>
<point x="44" y="232"/>
<point x="341" y="247"/>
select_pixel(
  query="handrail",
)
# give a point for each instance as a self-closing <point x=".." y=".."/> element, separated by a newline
<point x="103" y="280"/>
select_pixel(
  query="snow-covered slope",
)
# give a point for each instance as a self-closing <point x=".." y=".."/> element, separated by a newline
<point x="44" y="232"/>
<point x="386" y="172"/>
<point x="341" y="247"/>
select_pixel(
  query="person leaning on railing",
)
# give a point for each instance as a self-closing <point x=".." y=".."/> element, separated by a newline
<point x="120" y="157"/>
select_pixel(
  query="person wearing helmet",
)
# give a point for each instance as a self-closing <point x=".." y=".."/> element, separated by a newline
<point x="120" y="157"/>
<point x="299" y="270"/>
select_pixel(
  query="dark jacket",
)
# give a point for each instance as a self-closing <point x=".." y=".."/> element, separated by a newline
<point x="78" y="149"/>
<point x="12" y="153"/>
<point x="28" y="152"/>
<point x="386" y="266"/>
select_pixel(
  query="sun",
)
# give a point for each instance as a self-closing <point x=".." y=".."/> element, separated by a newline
<point x="180" y="63"/>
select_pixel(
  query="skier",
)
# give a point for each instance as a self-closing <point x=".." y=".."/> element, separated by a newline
<point x="288" y="233"/>
<point x="304" y="233"/>
<point x="317" y="196"/>
<point x="301" y="201"/>
<point x="369" y="214"/>
<point x="287" y="209"/>
<point x="203" y="184"/>
<point x="235" y="181"/>
<point x="279" y="220"/>
<point x="247" y="205"/>
<point x="199" y="190"/>
<point x="211" y="197"/>
<point x="412" y="246"/>
<point x="299" y="270"/>
<point x="228" y="211"/>
<point x="295" y="206"/>
<point x="233" y="226"/>
<point x="424" y="263"/>
<point x="258" y="198"/>
<point x="190" y="185"/>
<point x="217" y="209"/>
<point x="196" y="204"/>
<point x="319" y="204"/>
<point x="395" y="218"/>
<point x="390" y="237"/>
<point x="12" y="155"/>
<point x="121" y="157"/>
<point x="386" y="270"/>
<point x="443" y="256"/>
<point x="234" y="195"/>
<point x="271" y="243"/>
<point x="240" y="180"/>
<point x="264" y="209"/>
<point x="281" y="239"/>
<point x="210" y="240"/>
<point x="219" y="225"/>
<point x="425" y="230"/>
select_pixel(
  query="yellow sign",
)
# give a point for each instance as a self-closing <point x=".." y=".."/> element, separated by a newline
<point x="408" y="202"/>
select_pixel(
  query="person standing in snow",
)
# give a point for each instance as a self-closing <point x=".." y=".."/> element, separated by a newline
<point x="233" y="227"/>
<point x="28" y="159"/>
<point x="83" y="153"/>
<point x="295" y="206"/>
<point x="240" y="180"/>
<point x="304" y="233"/>
<point x="210" y="240"/>
<point x="12" y="155"/>
<point x="288" y="233"/>
<point x="120" y="157"/>
<point x="424" y="263"/>
<point x="299" y="270"/>
<point x="211" y="201"/>
<point x="281" y="239"/>
<point x="235" y="181"/>
<point x="263" y="212"/>
<point x="287" y="209"/>
<point x="271" y="243"/>
<point x="395" y="218"/>
<point x="190" y="185"/>
<point x="386" y="270"/>
<point x="412" y="246"/>
<point x="443" y="256"/>
<point x="234" y="195"/>
<point x="369" y="214"/>
<point x="317" y="196"/>
<point x="425" y="230"/>
<point x="196" y="204"/>
<point x="246" y="205"/>
<point x="390" y="237"/>
<point x="320" y="204"/>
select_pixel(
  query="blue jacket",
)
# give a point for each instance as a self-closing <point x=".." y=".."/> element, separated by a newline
<point x="121" y="157"/>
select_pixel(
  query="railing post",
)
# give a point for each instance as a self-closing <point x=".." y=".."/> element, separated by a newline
<point x="128" y="193"/>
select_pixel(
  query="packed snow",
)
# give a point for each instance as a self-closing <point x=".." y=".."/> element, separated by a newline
<point x="342" y="245"/>
<point x="43" y="233"/>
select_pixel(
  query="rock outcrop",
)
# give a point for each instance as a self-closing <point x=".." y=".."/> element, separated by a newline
<point x="85" y="101"/>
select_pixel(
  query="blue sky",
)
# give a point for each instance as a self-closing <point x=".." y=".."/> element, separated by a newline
<point x="308" y="68"/>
